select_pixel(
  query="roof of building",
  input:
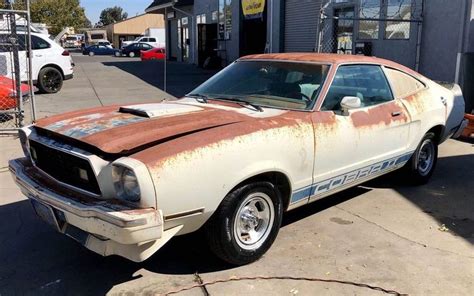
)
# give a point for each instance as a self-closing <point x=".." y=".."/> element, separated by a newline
<point x="158" y="4"/>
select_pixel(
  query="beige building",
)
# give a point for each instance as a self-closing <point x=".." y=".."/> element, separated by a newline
<point x="133" y="27"/>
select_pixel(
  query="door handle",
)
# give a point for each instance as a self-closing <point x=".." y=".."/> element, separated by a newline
<point x="397" y="113"/>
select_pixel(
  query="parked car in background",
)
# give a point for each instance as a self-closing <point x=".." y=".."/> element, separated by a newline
<point x="51" y="64"/>
<point x="153" y="54"/>
<point x="99" y="50"/>
<point x="8" y="94"/>
<point x="73" y="41"/>
<point x="133" y="50"/>
<point x="105" y="43"/>
<point x="152" y="41"/>
<point x="268" y="134"/>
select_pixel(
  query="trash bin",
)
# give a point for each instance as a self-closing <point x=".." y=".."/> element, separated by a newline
<point x="468" y="80"/>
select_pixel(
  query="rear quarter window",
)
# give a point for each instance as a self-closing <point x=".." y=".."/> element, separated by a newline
<point x="403" y="85"/>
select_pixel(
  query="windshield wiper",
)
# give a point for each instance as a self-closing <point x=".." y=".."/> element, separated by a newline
<point x="199" y="97"/>
<point x="239" y="100"/>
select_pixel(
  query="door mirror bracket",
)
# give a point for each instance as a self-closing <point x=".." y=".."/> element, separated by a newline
<point x="349" y="103"/>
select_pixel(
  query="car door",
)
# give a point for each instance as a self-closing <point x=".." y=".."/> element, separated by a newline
<point x="364" y="142"/>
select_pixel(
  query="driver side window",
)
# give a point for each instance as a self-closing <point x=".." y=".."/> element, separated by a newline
<point x="367" y="82"/>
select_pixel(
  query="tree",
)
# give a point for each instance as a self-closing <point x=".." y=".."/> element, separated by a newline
<point x="57" y="14"/>
<point x="112" y="15"/>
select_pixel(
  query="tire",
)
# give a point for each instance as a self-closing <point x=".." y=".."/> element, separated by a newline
<point x="422" y="164"/>
<point x="91" y="53"/>
<point x="238" y="213"/>
<point x="117" y="54"/>
<point x="50" y="80"/>
<point x="131" y="54"/>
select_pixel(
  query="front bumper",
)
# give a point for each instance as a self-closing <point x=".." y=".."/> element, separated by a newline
<point x="105" y="227"/>
<point x="460" y="129"/>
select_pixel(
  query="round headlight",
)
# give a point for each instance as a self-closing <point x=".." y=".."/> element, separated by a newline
<point x="126" y="183"/>
<point x="23" y="136"/>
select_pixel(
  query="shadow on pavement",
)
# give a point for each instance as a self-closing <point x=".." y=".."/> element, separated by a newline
<point x="448" y="199"/>
<point x="181" y="77"/>
<point x="34" y="259"/>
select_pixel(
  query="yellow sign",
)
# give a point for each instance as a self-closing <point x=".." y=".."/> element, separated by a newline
<point x="253" y="8"/>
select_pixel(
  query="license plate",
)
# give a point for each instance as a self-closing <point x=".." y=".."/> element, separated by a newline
<point x="46" y="213"/>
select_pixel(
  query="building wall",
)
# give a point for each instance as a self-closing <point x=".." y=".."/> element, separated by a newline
<point x="441" y="38"/>
<point x="134" y="26"/>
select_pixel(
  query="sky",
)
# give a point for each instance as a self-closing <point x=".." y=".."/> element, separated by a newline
<point x="132" y="7"/>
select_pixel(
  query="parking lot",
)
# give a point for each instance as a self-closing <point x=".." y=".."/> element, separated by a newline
<point x="383" y="235"/>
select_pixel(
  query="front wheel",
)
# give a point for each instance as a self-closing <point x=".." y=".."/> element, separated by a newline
<point x="131" y="54"/>
<point x="246" y="223"/>
<point x="117" y="54"/>
<point x="91" y="53"/>
<point x="423" y="162"/>
<point x="50" y="80"/>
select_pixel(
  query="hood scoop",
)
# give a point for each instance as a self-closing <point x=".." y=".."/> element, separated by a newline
<point x="158" y="110"/>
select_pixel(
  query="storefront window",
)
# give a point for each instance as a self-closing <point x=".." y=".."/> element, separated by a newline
<point x="221" y="23"/>
<point x="228" y="18"/>
<point x="369" y="9"/>
<point x="398" y="10"/>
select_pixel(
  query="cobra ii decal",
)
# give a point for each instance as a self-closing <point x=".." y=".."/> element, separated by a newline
<point x="349" y="178"/>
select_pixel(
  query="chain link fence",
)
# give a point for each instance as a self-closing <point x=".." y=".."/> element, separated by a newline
<point x="346" y="26"/>
<point x="16" y="87"/>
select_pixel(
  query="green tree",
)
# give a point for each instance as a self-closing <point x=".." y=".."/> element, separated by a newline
<point x="57" y="14"/>
<point x="112" y="15"/>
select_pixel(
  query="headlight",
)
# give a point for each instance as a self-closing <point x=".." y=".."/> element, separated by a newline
<point x="125" y="183"/>
<point x="23" y="135"/>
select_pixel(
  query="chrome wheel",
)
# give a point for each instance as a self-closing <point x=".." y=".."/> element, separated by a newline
<point x="425" y="157"/>
<point x="253" y="221"/>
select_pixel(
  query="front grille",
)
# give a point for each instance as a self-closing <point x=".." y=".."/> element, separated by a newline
<point x="64" y="167"/>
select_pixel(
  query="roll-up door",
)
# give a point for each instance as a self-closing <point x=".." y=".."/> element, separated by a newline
<point x="301" y="21"/>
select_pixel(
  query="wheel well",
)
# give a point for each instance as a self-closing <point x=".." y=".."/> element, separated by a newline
<point x="55" y="67"/>
<point x="438" y="131"/>
<point x="280" y="180"/>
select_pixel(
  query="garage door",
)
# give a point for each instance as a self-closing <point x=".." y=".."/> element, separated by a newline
<point x="301" y="21"/>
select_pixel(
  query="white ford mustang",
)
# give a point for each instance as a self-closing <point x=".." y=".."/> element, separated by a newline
<point x="266" y="135"/>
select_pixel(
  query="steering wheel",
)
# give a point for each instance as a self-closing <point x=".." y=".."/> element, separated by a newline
<point x="305" y="97"/>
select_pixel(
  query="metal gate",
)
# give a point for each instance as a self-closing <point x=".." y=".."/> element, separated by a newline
<point x="17" y="103"/>
<point x="385" y="28"/>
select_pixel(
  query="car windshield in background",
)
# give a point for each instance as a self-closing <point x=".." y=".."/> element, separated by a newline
<point x="284" y="85"/>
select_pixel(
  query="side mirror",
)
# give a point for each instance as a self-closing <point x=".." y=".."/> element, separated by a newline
<point x="348" y="103"/>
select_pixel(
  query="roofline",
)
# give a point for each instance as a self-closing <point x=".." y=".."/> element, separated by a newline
<point x="158" y="7"/>
<point x="130" y="18"/>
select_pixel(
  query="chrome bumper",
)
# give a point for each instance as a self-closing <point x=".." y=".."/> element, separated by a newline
<point x="103" y="227"/>
<point x="460" y="129"/>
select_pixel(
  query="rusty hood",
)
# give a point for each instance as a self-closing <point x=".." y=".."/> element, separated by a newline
<point x="131" y="128"/>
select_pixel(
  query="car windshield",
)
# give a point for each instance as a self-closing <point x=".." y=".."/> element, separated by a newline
<point x="278" y="84"/>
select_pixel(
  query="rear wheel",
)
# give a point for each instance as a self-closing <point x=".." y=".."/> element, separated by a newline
<point x="50" y="80"/>
<point x="117" y="54"/>
<point x="246" y="223"/>
<point x="422" y="164"/>
<point x="131" y="54"/>
<point x="91" y="53"/>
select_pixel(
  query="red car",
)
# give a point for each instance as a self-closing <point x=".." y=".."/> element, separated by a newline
<point x="153" y="54"/>
<point x="8" y="93"/>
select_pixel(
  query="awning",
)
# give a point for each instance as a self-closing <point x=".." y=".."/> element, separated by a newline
<point x="161" y="4"/>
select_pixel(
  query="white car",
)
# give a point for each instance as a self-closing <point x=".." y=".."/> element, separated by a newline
<point x="51" y="64"/>
<point x="152" y="41"/>
<point x="268" y="134"/>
